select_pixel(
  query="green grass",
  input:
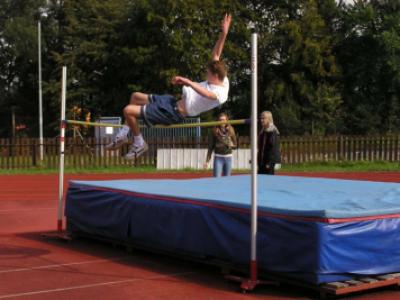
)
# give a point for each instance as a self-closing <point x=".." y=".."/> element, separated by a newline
<point x="43" y="170"/>
<point x="306" y="167"/>
<point x="97" y="170"/>
<point x="343" y="166"/>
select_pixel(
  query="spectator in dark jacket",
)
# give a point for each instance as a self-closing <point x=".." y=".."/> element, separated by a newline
<point x="268" y="145"/>
<point x="222" y="140"/>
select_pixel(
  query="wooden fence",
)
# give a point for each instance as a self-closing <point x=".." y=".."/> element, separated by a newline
<point x="23" y="153"/>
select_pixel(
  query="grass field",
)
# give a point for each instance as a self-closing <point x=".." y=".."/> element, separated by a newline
<point x="360" y="166"/>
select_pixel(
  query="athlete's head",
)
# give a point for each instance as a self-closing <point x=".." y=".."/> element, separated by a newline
<point x="216" y="71"/>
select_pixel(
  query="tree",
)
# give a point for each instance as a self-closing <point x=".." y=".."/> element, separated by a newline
<point x="87" y="33"/>
<point x="369" y="53"/>
<point x="301" y="86"/>
<point x="18" y="62"/>
<point x="323" y="67"/>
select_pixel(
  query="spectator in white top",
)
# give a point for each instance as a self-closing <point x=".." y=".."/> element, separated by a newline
<point x="165" y="110"/>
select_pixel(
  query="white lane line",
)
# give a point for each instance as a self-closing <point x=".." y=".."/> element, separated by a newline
<point x="3" y="211"/>
<point x="65" y="265"/>
<point x="77" y="287"/>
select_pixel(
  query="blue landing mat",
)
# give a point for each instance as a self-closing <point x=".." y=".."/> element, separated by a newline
<point x="287" y="195"/>
<point x="317" y="230"/>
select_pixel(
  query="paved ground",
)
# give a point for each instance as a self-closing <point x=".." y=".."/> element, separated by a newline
<point x="32" y="267"/>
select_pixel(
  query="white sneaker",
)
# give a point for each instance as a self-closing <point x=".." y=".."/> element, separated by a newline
<point x="120" y="139"/>
<point x="135" y="151"/>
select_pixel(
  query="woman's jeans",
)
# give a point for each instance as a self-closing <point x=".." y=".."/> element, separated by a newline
<point x="222" y="166"/>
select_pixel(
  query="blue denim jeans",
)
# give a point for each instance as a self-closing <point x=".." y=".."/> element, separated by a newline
<point x="222" y="166"/>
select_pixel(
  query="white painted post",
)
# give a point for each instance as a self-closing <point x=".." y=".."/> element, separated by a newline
<point x="62" y="148"/>
<point x="40" y="91"/>
<point x="254" y="113"/>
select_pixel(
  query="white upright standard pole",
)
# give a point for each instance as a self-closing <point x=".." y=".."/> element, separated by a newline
<point x="248" y="284"/>
<point x="254" y="113"/>
<point x="62" y="148"/>
<point x="40" y="91"/>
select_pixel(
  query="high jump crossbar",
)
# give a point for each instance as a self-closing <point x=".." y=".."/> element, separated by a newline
<point x="186" y="125"/>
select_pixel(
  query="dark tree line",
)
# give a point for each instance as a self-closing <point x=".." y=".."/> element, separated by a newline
<point x="325" y="67"/>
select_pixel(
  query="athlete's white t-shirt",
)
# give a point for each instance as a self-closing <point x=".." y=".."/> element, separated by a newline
<point x="196" y="104"/>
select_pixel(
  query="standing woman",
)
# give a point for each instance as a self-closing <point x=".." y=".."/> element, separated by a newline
<point x="268" y="145"/>
<point x="222" y="140"/>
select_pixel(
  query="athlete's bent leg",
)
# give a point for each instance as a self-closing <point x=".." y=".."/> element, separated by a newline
<point x="139" y="146"/>
<point x="139" y="98"/>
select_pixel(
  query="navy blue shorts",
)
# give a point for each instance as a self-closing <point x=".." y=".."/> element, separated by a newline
<point x="161" y="110"/>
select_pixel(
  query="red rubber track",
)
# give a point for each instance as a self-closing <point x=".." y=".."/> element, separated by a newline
<point x="32" y="267"/>
<point x="369" y="176"/>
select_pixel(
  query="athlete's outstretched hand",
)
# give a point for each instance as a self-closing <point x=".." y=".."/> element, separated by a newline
<point x="219" y="45"/>
<point x="226" y="23"/>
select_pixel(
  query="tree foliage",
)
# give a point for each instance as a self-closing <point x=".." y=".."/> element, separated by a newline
<point x="369" y="52"/>
<point x="325" y="67"/>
